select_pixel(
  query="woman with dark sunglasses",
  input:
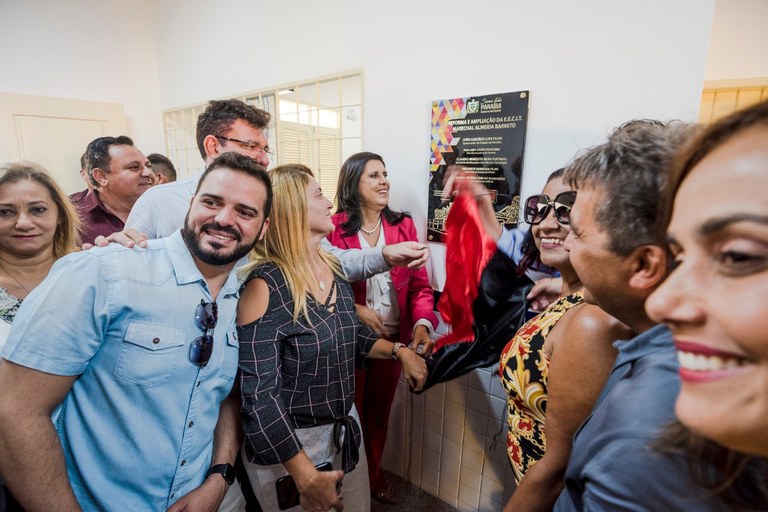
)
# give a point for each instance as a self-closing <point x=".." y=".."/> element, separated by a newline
<point x="556" y="364"/>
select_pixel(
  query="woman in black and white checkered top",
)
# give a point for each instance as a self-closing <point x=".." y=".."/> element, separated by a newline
<point x="299" y="336"/>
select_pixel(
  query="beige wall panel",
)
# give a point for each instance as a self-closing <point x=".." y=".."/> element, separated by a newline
<point x="748" y="96"/>
<point x="55" y="131"/>
<point x="725" y="103"/>
<point x="707" y="105"/>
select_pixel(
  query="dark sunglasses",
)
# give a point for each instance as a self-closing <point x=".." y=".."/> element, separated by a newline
<point x="537" y="207"/>
<point x="206" y="315"/>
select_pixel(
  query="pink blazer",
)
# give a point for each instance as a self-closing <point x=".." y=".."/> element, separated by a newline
<point x="414" y="295"/>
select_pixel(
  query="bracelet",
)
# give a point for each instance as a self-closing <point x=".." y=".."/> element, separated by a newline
<point x="395" y="347"/>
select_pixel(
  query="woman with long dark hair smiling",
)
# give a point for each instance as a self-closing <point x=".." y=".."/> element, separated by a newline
<point x="557" y="362"/>
<point x="398" y="305"/>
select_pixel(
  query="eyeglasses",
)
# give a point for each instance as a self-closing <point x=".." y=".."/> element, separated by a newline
<point x="537" y="207"/>
<point x="248" y="144"/>
<point x="206" y="315"/>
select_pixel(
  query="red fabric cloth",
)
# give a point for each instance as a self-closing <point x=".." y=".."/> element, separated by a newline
<point x="468" y="250"/>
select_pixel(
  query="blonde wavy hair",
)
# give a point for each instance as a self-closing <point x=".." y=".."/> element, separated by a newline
<point x="285" y="242"/>
<point x="66" y="238"/>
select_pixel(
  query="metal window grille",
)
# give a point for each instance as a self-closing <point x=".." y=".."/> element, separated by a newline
<point x="317" y="123"/>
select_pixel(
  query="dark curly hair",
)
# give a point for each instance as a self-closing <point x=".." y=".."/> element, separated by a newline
<point x="632" y="168"/>
<point x="221" y="114"/>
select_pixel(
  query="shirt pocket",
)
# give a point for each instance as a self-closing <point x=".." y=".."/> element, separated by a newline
<point x="149" y="354"/>
<point x="231" y="357"/>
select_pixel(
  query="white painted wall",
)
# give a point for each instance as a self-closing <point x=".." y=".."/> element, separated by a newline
<point x="99" y="50"/>
<point x="739" y="41"/>
<point x="589" y="65"/>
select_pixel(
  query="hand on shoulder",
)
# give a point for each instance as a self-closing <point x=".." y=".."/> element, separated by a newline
<point x="127" y="238"/>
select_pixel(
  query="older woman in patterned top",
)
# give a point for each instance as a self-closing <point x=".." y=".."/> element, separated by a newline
<point x="299" y="336"/>
<point x="38" y="225"/>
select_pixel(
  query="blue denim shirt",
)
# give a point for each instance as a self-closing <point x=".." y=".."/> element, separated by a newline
<point x="137" y="426"/>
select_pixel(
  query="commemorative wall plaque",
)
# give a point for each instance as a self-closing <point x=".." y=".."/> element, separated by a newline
<point x="484" y="136"/>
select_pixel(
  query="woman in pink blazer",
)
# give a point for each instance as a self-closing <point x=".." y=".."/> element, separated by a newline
<point x="398" y="304"/>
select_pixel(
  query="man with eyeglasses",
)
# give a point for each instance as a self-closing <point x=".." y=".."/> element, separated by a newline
<point x="232" y="125"/>
<point x="224" y="126"/>
<point x="136" y="351"/>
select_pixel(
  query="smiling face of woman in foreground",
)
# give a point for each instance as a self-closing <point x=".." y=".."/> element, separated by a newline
<point x="716" y="299"/>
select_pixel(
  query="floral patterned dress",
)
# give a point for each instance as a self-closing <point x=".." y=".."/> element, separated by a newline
<point x="9" y="305"/>
<point x="523" y="370"/>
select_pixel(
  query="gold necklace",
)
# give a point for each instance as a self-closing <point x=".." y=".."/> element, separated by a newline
<point x="14" y="278"/>
<point x="372" y="230"/>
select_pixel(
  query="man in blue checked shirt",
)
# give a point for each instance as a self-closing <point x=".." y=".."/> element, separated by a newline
<point x="136" y="352"/>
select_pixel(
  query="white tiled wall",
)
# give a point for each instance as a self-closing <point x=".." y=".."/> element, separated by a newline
<point x="447" y="433"/>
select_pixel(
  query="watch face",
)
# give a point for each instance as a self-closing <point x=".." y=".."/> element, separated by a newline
<point x="227" y="471"/>
<point x="231" y="478"/>
<point x="229" y="474"/>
